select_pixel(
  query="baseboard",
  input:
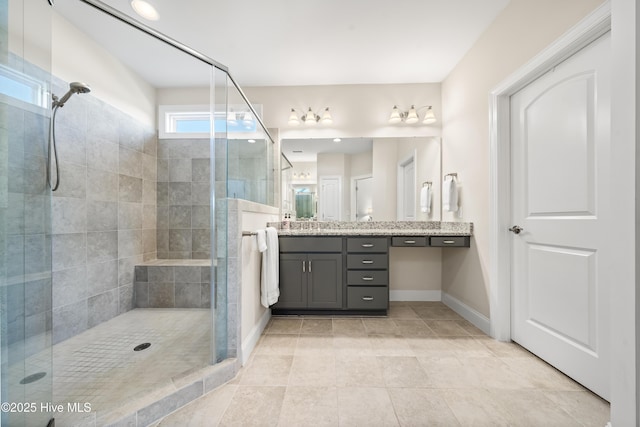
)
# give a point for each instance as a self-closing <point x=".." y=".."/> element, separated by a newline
<point x="478" y="320"/>
<point x="254" y="336"/>
<point x="415" y="295"/>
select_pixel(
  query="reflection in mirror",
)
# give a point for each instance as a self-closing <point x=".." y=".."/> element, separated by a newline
<point x="362" y="179"/>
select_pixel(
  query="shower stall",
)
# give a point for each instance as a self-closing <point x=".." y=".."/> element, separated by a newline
<point x="117" y="302"/>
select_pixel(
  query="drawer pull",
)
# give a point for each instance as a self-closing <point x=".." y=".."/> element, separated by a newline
<point x="448" y="242"/>
<point x="303" y="267"/>
<point x="410" y="242"/>
<point x="367" y="278"/>
<point x="367" y="245"/>
<point x="309" y="266"/>
<point x="367" y="261"/>
<point x="367" y="298"/>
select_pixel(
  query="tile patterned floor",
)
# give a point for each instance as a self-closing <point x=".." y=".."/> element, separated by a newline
<point x="423" y="365"/>
<point x="100" y="367"/>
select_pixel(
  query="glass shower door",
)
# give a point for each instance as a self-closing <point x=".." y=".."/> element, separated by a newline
<point x="25" y="230"/>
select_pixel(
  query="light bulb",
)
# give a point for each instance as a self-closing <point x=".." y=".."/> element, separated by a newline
<point x="326" y="117"/>
<point x="293" y="118"/>
<point x="429" y="117"/>
<point x="395" y="116"/>
<point x="145" y="10"/>
<point x="310" y="118"/>
<point x="412" y="116"/>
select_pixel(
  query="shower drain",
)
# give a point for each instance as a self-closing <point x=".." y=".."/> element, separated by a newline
<point x="33" y="378"/>
<point x="142" y="346"/>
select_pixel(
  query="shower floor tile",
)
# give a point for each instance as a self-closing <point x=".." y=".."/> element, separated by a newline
<point x="100" y="366"/>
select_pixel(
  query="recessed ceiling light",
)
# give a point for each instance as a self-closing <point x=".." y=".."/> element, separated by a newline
<point x="336" y="140"/>
<point x="145" y="10"/>
<point x="252" y="141"/>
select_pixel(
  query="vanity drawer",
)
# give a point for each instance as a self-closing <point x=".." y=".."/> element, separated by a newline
<point x="367" y="261"/>
<point x="409" y="241"/>
<point x="367" y="277"/>
<point x="310" y="244"/>
<point x="367" y="244"/>
<point x="368" y="297"/>
<point x="456" y="241"/>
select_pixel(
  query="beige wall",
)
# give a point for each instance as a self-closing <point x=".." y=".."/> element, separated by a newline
<point x="357" y="110"/>
<point x="110" y="80"/>
<point x="522" y="30"/>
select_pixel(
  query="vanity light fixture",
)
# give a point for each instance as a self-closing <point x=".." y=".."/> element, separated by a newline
<point x="411" y="116"/>
<point x="247" y="120"/>
<point x="310" y="118"/>
<point x="145" y="10"/>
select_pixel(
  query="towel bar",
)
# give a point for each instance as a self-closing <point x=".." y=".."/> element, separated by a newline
<point x="427" y="184"/>
<point x="453" y="175"/>
<point x="249" y="233"/>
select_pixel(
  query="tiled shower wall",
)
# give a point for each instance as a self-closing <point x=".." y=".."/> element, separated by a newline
<point x="103" y="214"/>
<point x="184" y="192"/>
<point x="25" y="240"/>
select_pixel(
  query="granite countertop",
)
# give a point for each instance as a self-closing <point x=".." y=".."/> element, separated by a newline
<point x="376" y="228"/>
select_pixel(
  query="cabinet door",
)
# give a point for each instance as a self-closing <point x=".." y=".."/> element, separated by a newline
<point x="293" y="281"/>
<point x="325" y="281"/>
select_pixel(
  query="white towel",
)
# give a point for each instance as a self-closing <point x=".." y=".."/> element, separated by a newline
<point x="425" y="199"/>
<point x="270" y="274"/>
<point x="449" y="194"/>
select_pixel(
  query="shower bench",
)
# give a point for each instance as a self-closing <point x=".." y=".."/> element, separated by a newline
<point x="173" y="283"/>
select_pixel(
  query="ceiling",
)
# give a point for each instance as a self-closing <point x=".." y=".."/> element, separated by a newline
<point x="294" y="42"/>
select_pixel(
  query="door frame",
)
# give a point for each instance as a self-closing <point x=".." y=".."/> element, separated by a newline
<point x="352" y="202"/>
<point x="586" y="31"/>
<point x="411" y="158"/>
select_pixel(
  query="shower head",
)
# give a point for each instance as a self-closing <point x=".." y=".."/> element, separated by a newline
<point x="74" y="87"/>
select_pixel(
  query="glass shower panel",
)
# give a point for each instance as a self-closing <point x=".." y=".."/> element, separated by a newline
<point x="251" y="153"/>
<point x="219" y="210"/>
<point x="25" y="207"/>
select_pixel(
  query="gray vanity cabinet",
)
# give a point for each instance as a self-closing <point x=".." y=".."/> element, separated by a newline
<point x="310" y="273"/>
<point x="368" y="273"/>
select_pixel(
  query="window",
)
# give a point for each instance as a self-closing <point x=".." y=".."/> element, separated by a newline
<point x="22" y="87"/>
<point x="194" y="121"/>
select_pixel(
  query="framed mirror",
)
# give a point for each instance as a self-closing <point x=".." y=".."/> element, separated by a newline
<point x="362" y="179"/>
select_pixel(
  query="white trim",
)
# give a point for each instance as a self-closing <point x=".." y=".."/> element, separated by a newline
<point x="352" y="203"/>
<point x="476" y="318"/>
<point x="252" y="339"/>
<point x="415" y="295"/>
<point x="586" y="31"/>
<point x="412" y="158"/>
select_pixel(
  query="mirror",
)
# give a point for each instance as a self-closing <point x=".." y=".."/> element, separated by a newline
<point x="362" y="179"/>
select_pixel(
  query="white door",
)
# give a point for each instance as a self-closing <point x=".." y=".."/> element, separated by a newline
<point x="560" y="179"/>
<point x="330" y="194"/>
<point x="407" y="190"/>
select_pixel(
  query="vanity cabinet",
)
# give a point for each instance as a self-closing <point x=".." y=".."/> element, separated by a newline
<point x="346" y="274"/>
<point x="311" y="273"/>
<point x="367" y="273"/>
